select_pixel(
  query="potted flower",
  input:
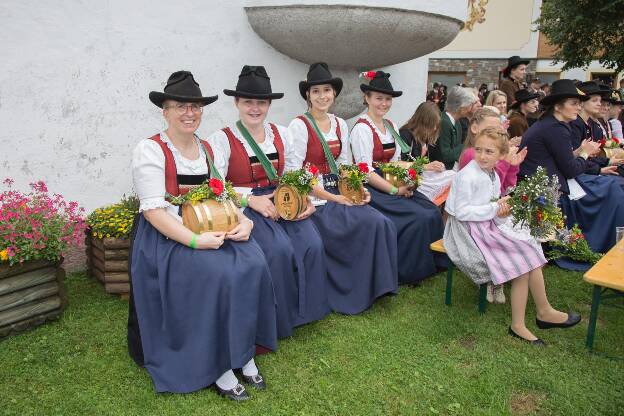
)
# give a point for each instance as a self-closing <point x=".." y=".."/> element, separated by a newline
<point x="108" y="242"/>
<point x="292" y="192"/>
<point x="352" y="180"/>
<point x="36" y="228"/>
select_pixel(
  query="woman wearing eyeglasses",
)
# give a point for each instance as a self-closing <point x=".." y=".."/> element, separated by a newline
<point x="251" y="154"/>
<point x="199" y="302"/>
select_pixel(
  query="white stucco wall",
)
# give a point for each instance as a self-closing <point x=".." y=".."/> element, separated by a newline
<point x="75" y="75"/>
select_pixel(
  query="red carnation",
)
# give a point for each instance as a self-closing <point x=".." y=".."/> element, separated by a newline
<point x="616" y="140"/>
<point x="216" y="186"/>
<point x="363" y="167"/>
<point x="313" y="170"/>
<point x="371" y="74"/>
<point x="412" y="174"/>
<point x="602" y="142"/>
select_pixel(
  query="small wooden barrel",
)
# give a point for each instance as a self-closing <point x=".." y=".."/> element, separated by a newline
<point x="355" y="195"/>
<point x="288" y="202"/>
<point x="609" y="153"/>
<point x="209" y="215"/>
<point x="394" y="181"/>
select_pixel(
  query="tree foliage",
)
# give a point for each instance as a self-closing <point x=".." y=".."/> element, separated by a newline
<point x="584" y="30"/>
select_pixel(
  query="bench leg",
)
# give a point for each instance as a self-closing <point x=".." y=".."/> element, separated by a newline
<point x="449" y="283"/>
<point x="593" y="316"/>
<point x="482" y="295"/>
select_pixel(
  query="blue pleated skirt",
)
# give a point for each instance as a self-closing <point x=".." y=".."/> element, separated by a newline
<point x="361" y="251"/>
<point x="418" y="223"/>
<point x="200" y="312"/>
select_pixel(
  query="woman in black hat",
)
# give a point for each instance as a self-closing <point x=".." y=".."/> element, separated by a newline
<point x="251" y="153"/>
<point x="418" y="221"/>
<point x="185" y="285"/>
<point x="550" y="144"/>
<point x="514" y="75"/>
<point x="525" y="103"/>
<point x="366" y="268"/>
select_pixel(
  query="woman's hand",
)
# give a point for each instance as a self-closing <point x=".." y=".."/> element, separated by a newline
<point x="590" y="147"/>
<point x="503" y="207"/>
<point x="367" y="197"/>
<point x="405" y="191"/>
<point x="515" y="141"/>
<point x="435" y="166"/>
<point x="614" y="161"/>
<point x="609" y="170"/>
<point x="311" y="209"/>
<point x="341" y="199"/>
<point x="263" y="205"/>
<point x="241" y="232"/>
<point x="515" y="157"/>
<point x="209" y="240"/>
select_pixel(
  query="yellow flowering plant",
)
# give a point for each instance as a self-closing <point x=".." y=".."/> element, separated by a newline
<point x="114" y="221"/>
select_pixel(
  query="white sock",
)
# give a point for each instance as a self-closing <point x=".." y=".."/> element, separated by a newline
<point x="227" y="381"/>
<point x="250" y="368"/>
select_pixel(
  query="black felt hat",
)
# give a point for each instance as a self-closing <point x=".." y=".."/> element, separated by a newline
<point x="605" y="91"/>
<point x="513" y="62"/>
<point x="254" y="82"/>
<point x="615" y="99"/>
<point x="319" y="74"/>
<point x="522" y="96"/>
<point x="182" y="87"/>
<point x="562" y="89"/>
<point x="590" y="88"/>
<point x="380" y="83"/>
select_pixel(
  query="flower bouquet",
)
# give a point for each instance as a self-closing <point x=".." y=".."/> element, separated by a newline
<point x="399" y="173"/>
<point x="293" y="189"/>
<point x="208" y="207"/>
<point x="572" y="244"/>
<point x="352" y="180"/>
<point x="611" y="147"/>
<point x="534" y="205"/>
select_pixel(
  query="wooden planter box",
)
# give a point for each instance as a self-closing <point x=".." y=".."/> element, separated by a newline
<point x="107" y="261"/>
<point x="30" y="294"/>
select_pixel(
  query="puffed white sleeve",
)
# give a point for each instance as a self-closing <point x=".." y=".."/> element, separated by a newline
<point x="298" y="146"/>
<point x="463" y="202"/>
<point x="221" y="149"/>
<point x="361" y="138"/>
<point x="345" y="157"/>
<point x="397" y="151"/>
<point x="148" y="175"/>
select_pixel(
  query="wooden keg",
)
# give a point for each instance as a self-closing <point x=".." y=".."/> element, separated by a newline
<point x="354" y="195"/>
<point x="288" y="202"/>
<point x="392" y="179"/>
<point x="209" y="215"/>
<point x="610" y="153"/>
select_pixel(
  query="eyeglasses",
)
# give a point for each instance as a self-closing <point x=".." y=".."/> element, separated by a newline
<point x="181" y="108"/>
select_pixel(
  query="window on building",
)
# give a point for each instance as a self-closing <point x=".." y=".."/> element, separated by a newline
<point x="447" y="78"/>
<point x="604" y="77"/>
<point x="548" y="77"/>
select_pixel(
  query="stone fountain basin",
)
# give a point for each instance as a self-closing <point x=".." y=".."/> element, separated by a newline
<point x="356" y="34"/>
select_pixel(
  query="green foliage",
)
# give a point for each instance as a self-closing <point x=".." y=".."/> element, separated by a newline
<point x="584" y="30"/>
<point x="572" y="244"/>
<point x="354" y="175"/>
<point x="303" y="180"/>
<point x="114" y="220"/>
<point x="211" y="189"/>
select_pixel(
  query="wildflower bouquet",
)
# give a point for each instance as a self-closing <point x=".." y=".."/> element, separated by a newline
<point x="534" y="204"/>
<point x="114" y="221"/>
<point x="399" y="173"/>
<point x="302" y="180"/>
<point x="572" y="244"/>
<point x="213" y="188"/>
<point x="37" y="225"/>
<point x="355" y="176"/>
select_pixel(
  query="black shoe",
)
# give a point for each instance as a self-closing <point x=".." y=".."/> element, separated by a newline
<point x="537" y="342"/>
<point x="256" y="381"/>
<point x="237" y="394"/>
<point x="573" y="319"/>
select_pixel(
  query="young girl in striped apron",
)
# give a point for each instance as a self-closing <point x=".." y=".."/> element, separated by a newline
<point x="479" y="231"/>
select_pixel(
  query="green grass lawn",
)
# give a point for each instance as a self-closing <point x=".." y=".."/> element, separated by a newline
<point x="410" y="354"/>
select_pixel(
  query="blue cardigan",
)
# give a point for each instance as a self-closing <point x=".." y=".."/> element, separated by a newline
<point x="549" y="143"/>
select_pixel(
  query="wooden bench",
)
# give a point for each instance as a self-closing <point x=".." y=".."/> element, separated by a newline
<point x="438" y="247"/>
<point x="607" y="275"/>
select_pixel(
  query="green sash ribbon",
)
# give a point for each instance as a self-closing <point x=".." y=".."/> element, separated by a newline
<point x="214" y="173"/>
<point x="333" y="167"/>
<point x="405" y="148"/>
<point x="262" y="158"/>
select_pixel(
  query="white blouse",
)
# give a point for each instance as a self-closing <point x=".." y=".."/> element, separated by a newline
<point x="473" y="194"/>
<point x="298" y="135"/>
<point x="361" y="138"/>
<point x="148" y="172"/>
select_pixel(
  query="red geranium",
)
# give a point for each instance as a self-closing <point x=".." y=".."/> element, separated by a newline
<point x="363" y="167"/>
<point x="216" y="186"/>
<point x="412" y="173"/>
<point x="313" y="170"/>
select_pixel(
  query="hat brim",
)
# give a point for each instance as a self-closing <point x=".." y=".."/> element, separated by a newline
<point x="530" y="97"/>
<point x="508" y="68"/>
<point x="554" y="98"/>
<point x="366" y="88"/>
<point x="242" y="94"/>
<point x="304" y="86"/>
<point x="158" y="98"/>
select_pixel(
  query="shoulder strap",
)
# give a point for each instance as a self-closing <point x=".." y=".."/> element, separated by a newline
<point x="214" y="173"/>
<point x="328" y="154"/>
<point x="171" y="173"/>
<point x="268" y="167"/>
<point x="405" y="148"/>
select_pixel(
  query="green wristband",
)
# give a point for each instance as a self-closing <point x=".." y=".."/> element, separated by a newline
<point x="193" y="241"/>
<point x="394" y="190"/>
<point x="244" y="201"/>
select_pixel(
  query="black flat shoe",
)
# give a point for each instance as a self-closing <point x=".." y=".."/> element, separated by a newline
<point x="256" y="381"/>
<point x="573" y="319"/>
<point x="537" y="342"/>
<point x="238" y="393"/>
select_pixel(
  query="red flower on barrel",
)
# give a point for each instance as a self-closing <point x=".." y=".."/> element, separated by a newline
<point x="216" y="186"/>
<point x="363" y="167"/>
<point x="412" y="173"/>
<point x="313" y="170"/>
